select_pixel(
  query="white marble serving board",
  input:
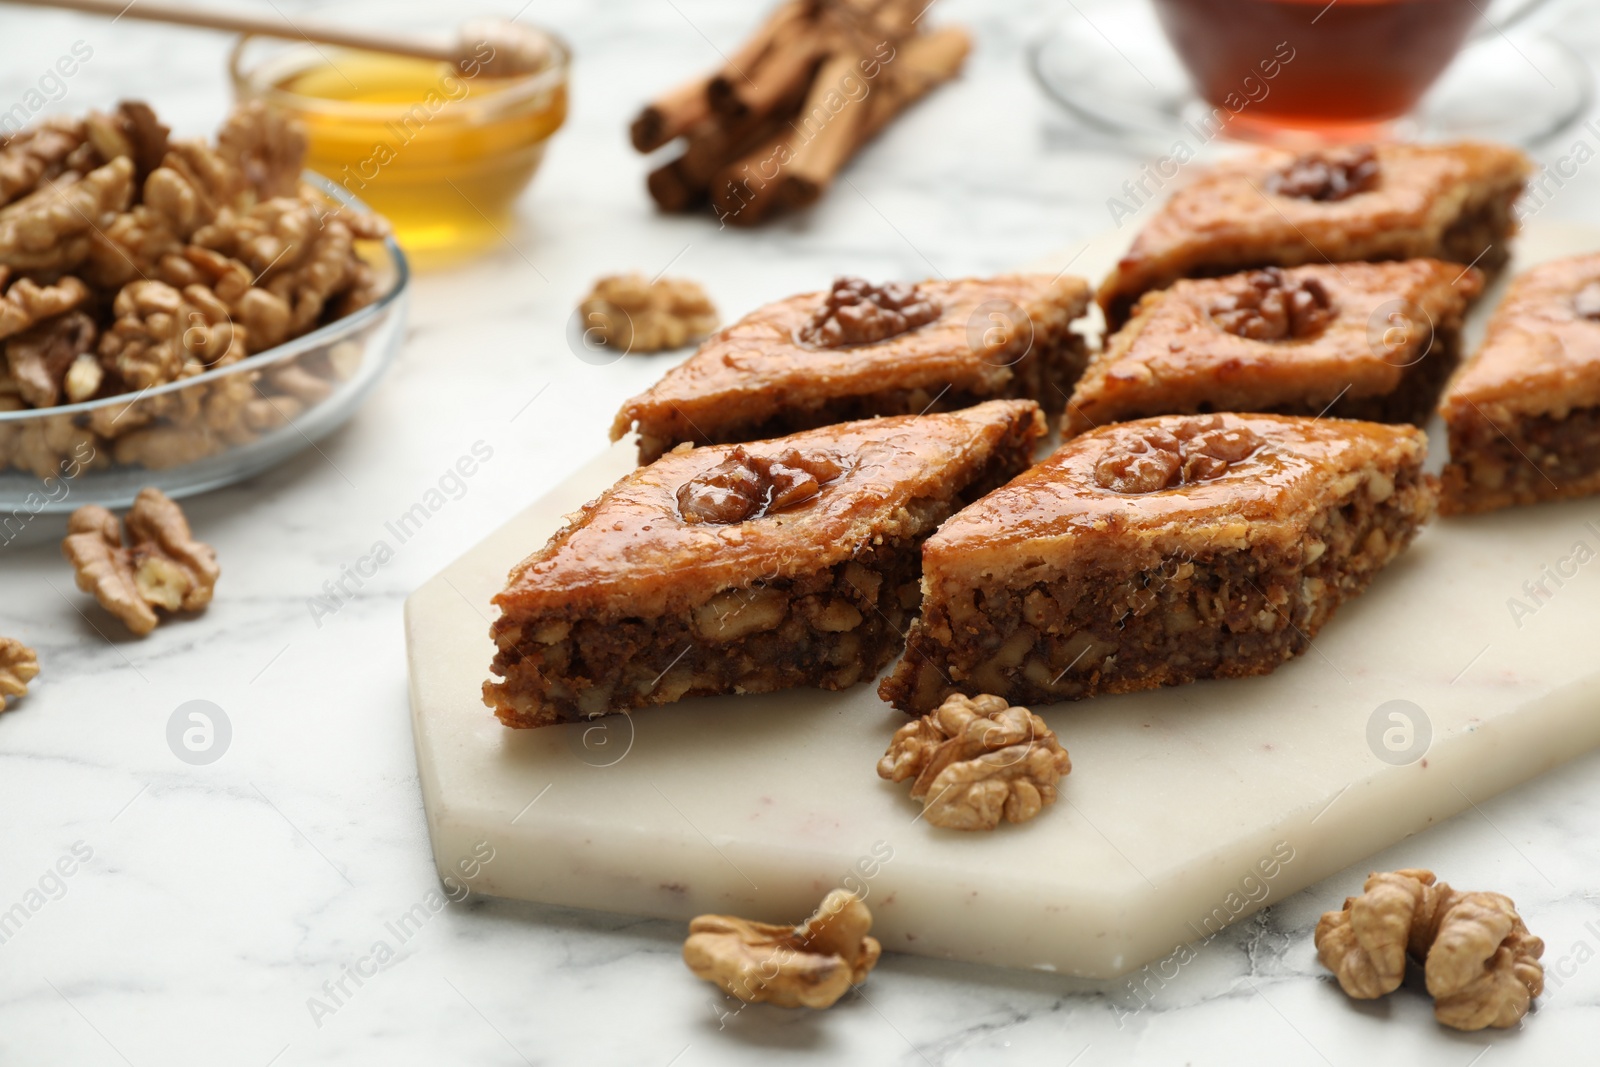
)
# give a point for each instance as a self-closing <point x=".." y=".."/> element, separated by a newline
<point x="1186" y="808"/>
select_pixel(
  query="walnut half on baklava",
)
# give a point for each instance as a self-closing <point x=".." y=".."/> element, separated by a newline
<point x="1351" y="340"/>
<point x="1159" y="552"/>
<point x="861" y="350"/>
<point x="1524" y="413"/>
<point x="1276" y="208"/>
<point x="744" y="568"/>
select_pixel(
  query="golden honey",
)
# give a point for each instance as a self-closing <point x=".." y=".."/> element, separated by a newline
<point x="442" y="152"/>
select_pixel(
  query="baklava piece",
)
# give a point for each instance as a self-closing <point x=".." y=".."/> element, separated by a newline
<point x="1159" y="552"/>
<point x="1524" y="413"/>
<point x="744" y="568"/>
<point x="1355" y="340"/>
<point x="1276" y="208"/>
<point x="861" y="350"/>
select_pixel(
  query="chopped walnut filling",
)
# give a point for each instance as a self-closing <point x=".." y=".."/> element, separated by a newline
<point x="976" y="760"/>
<point x="1267" y="305"/>
<point x="164" y="566"/>
<point x="747" y="485"/>
<point x="1329" y="175"/>
<point x="1481" y="963"/>
<point x="1586" y="302"/>
<point x="629" y="312"/>
<point x="810" y="965"/>
<point x="18" y="666"/>
<point x="1201" y="449"/>
<point x="857" y="312"/>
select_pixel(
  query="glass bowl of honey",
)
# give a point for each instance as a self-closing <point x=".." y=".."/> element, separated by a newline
<point x="442" y="150"/>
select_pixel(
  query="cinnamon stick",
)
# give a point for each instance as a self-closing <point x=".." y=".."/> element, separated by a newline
<point x="778" y="81"/>
<point x="774" y="126"/>
<point x="927" y="61"/>
<point x="672" y="189"/>
<point x="670" y="116"/>
<point x="686" y="181"/>
<point x="920" y="64"/>
<point x="869" y="23"/>
<point x="827" y="130"/>
<point x="750" y="188"/>
<point x="723" y="89"/>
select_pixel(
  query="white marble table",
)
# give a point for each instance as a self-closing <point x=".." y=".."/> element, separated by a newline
<point x="211" y="909"/>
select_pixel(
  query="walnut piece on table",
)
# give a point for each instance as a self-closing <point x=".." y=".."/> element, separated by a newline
<point x="976" y="760"/>
<point x="1365" y="945"/>
<point x="810" y="965"/>
<point x="1481" y="963"/>
<point x="18" y="666"/>
<point x="1483" y="967"/>
<point x="163" y="566"/>
<point x="631" y="313"/>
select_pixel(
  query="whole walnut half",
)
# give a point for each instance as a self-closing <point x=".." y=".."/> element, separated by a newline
<point x="36" y="153"/>
<point x="748" y="485"/>
<point x="131" y="130"/>
<point x="1365" y="945"/>
<point x="42" y="359"/>
<point x="631" y="313"/>
<point x="1269" y="305"/>
<point x="28" y="303"/>
<point x="163" y="566"/>
<point x="1328" y="175"/>
<point x="976" y="760"/>
<point x="810" y="965"/>
<point x="1481" y="963"/>
<point x="1483" y="967"/>
<point x="856" y="312"/>
<point x="51" y="228"/>
<point x="18" y="667"/>
<point x="1197" y="449"/>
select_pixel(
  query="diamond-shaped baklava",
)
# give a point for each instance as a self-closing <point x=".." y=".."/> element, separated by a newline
<point x="1351" y="340"/>
<point x="1524" y="412"/>
<point x="861" y="350"/>
<point x="744" y="568"/>
<point x="1276" y="208"/>
<point x="1159" y="552"/>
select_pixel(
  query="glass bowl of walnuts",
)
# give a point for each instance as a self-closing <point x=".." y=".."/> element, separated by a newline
<point x="177" y="314"/>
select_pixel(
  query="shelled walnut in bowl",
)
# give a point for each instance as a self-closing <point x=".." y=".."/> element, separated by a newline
<point x="165" y="302"/>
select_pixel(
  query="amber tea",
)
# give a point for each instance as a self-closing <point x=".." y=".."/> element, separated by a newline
<point x="1340" y="70"/>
